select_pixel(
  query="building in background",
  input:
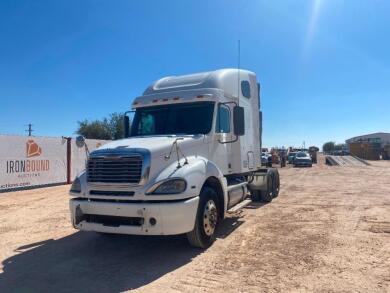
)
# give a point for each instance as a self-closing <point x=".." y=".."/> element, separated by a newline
<point x="370" y="146"/>
<point x="379" y="137"/>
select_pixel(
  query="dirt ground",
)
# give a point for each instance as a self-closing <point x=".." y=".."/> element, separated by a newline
<point x="328" y="231"/>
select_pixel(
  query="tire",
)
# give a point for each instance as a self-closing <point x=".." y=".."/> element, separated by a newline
<point x="206" y="219"/>
<point x="276" y="185"/>
<point x="256" y="195"/>
<point x="267" y="195"/>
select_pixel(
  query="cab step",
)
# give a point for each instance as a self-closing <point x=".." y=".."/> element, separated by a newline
<point x="240" y="205"/>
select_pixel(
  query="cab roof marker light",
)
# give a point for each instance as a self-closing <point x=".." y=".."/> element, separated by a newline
<point x="204" y="96"/>
<point x="176" y="98"/>
<point x="135" y="103"/>
<point x="155" y="101"/>
<point x="165" y="100"/>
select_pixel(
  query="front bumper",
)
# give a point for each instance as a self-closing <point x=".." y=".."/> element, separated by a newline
<point x="302" y="163"/>
<point x="170" y="218"/>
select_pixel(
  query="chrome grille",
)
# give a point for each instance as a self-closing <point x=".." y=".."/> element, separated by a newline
<point x="115" y="169"/>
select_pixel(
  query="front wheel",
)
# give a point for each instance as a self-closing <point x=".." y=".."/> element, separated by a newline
<point x="206" y="220"/>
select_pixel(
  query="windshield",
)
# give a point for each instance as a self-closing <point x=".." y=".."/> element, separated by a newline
<point x="301" y="155"/>
<point x="191" y="118"/>
<point x="292" y="154"/>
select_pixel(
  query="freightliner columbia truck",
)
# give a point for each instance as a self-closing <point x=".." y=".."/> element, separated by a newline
<point x="192" y="153"/>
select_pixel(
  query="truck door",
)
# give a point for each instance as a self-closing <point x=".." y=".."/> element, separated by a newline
<point x="220" y="148"/>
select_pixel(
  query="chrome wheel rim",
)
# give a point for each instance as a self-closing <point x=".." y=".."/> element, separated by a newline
<point x="210" y="217"/>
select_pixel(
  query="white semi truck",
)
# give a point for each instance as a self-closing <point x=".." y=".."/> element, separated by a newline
<point x="192" y="153"/>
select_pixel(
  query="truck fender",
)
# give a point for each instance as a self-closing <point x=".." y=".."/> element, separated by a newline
<point x="213" y="173"/>
<point x="82" y="177"/>
<point x="198" y="172"/>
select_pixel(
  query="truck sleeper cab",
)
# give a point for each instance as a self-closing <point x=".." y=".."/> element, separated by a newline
<point x="192" y="153"/>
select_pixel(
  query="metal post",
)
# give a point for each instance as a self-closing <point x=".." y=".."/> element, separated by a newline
<point x="29" y="130"/>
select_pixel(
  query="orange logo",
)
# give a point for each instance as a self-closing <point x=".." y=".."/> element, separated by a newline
<point x="32" y="149"/>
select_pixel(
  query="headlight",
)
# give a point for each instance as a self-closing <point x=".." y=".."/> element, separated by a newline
<point x="170" y="186"/>
<point x="76" y="186"/>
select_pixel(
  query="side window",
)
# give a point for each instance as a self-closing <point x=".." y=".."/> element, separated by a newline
<point x="223" y="119"/>
<point x="246" y="89"/>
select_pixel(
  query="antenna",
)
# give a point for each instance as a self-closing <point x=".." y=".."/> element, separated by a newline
<point x="238" y="72"/>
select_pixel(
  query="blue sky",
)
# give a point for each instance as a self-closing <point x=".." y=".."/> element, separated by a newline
<point x="323" y="65"/>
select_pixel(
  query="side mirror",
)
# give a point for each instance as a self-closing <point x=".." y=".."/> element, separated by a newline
<point x="126" y="125"/>
<point x="238" y="120"/>
<point x="80" y="141"/>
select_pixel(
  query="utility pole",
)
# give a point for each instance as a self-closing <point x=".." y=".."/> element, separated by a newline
<point x="29" y="130"/>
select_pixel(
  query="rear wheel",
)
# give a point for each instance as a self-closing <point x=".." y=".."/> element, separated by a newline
<point x="267" y="195"/>
<point x="255" y="195"/>
<point x="206" y="220"/>
<point x="276" y="185"/>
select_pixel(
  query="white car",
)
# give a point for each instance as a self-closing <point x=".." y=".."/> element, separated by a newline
<point x="264" y="158"/>
<point x="302" y="159"/>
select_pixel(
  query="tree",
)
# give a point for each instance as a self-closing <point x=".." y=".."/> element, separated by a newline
<point x="115" y="125"/>
<point x="107" y="128"/>
<point x="328" y="146"/>
<point x="339" y="147"/>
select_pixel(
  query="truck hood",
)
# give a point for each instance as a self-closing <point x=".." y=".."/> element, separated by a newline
<point x="157" y="145"/>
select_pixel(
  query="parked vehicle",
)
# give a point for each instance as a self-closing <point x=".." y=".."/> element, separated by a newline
<point x="313" y="150"/>
<point x="302" y="159"/>
<point x="275" y="157"/>
<point x="192" y="153"/>
<point x="264" y="158"/>
<point x="290" y="157"/>
<point x="270" y="160"/>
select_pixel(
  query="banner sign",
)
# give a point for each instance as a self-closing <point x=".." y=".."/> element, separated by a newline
<point x="30" y="161"/>
<point x="79" y="154"/>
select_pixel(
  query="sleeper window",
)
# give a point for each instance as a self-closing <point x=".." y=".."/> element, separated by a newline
<point x="246" y="89"/>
